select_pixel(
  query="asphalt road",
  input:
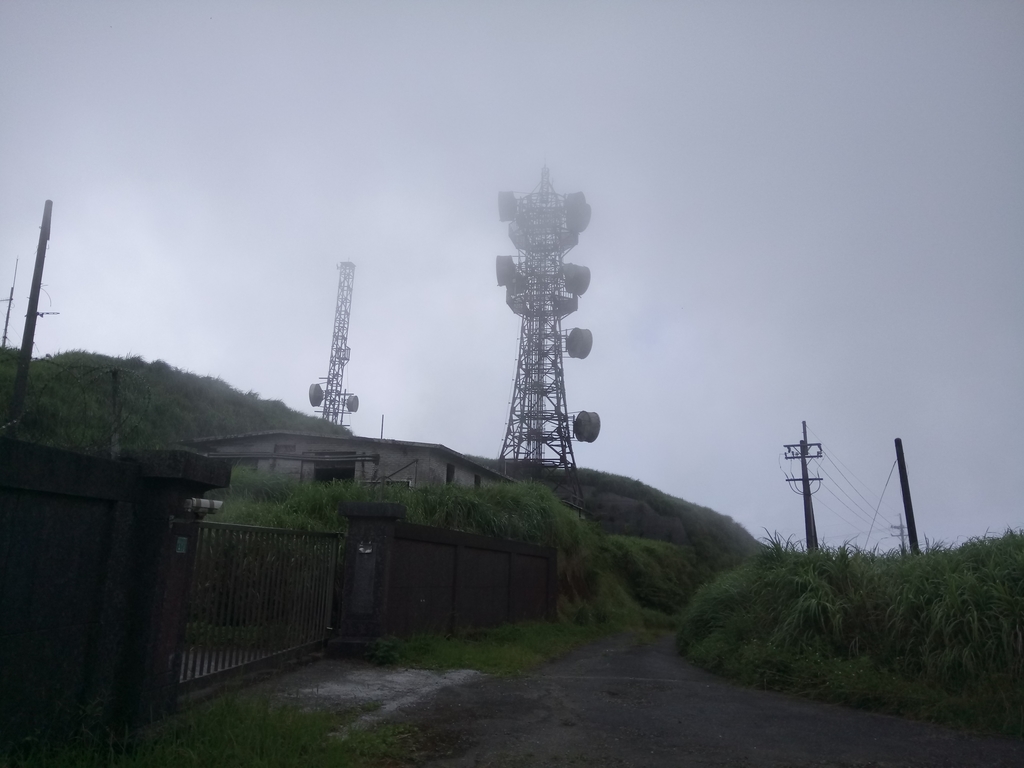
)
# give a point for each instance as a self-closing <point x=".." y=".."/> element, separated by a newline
<point x="615" y="703"/>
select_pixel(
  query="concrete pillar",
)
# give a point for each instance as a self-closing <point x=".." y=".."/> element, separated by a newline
<point x="368" y="548"/>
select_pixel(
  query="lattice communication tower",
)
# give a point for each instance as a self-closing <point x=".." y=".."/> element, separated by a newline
<point x="337" y="402"/>
<point x="543" y="289"/>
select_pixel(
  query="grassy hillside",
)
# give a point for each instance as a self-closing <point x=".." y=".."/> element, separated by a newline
<point x="939" y="636"/>
<point x="71" y="404"/>
<point x="622" y="505"/>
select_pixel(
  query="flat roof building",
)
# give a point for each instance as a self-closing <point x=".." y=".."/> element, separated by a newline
<point x="310" y="457"/>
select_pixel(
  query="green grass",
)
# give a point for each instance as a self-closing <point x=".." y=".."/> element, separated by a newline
<point x="938" y="636"/>
<point x="70" y="404"/>
<point x="512" y="649"/>
<point x="236" y="732"/>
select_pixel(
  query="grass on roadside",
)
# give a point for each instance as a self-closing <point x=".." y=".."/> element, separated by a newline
<point x="938" y="636"/>
<point x="236" y="732"/>
<point x="508" y="650"/>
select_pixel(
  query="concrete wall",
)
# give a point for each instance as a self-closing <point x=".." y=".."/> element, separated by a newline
<point x="294" y="455"/>
<point x="421" y="465"/>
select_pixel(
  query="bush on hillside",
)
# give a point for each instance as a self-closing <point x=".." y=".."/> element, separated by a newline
<point x="939" y="635"/>
<point x="70" y="404"/>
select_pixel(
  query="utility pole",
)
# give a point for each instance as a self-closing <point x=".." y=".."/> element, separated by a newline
<point x="801" y="451"/>
<point x="10" y="303"/>
<point x="901" y="529"/>
<point x="908" y="506"/>
<point x="28" y="338"/>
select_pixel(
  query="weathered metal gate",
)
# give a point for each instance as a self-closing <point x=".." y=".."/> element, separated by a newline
<point x="258" y="595"/>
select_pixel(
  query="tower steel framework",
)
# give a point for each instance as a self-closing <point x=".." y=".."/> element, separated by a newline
<point x="543" y="290"/>
<point x="337" y="402"/>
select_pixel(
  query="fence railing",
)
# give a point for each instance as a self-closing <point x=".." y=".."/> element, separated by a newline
<point x="257" y="594"/>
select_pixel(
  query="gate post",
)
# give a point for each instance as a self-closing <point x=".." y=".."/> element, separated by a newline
<point x="164" y="556"/>
<point x="367" y="568"/>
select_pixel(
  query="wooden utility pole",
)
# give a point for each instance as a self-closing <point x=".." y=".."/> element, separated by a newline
<point x="10" y="303"/>
<point x="801" y="451"/>
<point x="28" y="338"/>
<point x="908" y="506"/>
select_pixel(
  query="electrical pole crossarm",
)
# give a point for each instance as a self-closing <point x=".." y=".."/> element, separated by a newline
<point x="793" y="451"/>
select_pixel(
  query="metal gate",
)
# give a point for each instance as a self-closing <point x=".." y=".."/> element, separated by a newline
<point x="258" y="595"/>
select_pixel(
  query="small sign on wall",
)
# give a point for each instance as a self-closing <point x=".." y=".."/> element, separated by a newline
<point x="181" y="546"/>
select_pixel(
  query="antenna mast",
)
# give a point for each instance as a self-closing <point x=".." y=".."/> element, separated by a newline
<point x="543" y="289"/>
<point x="337" y="403"/>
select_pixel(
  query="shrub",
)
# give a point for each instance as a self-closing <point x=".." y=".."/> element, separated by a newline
<point x="944" y="625"/>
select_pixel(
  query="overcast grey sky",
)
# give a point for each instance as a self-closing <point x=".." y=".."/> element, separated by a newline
<point x="801" y="210"/>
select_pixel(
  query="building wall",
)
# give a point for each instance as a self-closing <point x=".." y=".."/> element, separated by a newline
<point x="421" y="465"/>
<point x="399" y="462"/>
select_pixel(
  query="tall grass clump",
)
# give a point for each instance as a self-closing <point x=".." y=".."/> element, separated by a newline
<point x="938" y="636"/>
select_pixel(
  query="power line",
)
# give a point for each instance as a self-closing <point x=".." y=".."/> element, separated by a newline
<point x="859" y="511"/>
<point x="831" y="454"/>
<point x="845" y="505"/>
<point x="826" y="506"/>
<point x="866" y="501"/>
<point x="879" y="503"/>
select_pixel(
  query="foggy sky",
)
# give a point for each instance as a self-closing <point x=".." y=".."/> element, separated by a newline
<point x="800" y="211"/>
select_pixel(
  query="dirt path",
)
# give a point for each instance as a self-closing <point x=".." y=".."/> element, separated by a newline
<point x="614" y="703"/>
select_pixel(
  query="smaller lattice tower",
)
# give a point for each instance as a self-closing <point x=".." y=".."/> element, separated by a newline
<point x="337" y="402"/>
<point x="543" y="289"/>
